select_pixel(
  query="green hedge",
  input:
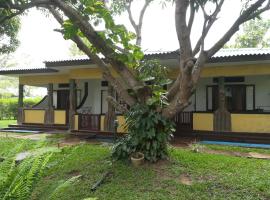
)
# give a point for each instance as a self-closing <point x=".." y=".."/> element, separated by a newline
<point x="9" y="107"/>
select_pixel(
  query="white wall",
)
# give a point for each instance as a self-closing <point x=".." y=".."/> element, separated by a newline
<point x="262" y="91"/>
<point x="94" y="94"/>
<point x="201" y="93"/>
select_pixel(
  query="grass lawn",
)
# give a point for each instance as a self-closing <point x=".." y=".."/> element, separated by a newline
<point x="236" y="148"/>
<point x="5" y="123"/>
<point x="69" y="173"/>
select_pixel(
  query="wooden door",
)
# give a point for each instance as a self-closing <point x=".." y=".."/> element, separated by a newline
<point x="235" y="97"/>
<point x="63" y="99"/>
<point x="238" y="98"/>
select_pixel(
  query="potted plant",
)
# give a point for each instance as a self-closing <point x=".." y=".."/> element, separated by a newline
<point x="137" y="159"/>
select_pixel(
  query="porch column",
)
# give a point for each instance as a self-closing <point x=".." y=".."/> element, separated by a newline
<point x="222" y="117"/>
<point x="20" y="117"/>
<point x="110" y="115"/>
<point x="72" y="103"/>
<point x="49" y="119"/>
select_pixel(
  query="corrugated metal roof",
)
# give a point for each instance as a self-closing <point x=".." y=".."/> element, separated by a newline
<point x="66" y="59"/>
<point x="220" y="54"/>
<point x="224" y="55"/>
<point x="28" y="69"/>
<point x="21" y="68"/>
<point x="241" y="52"/>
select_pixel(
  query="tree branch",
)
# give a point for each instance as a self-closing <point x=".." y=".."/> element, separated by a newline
<point x="89" y="32"/>
<point x="196" y="71"/>
<point x="174" y="88"/>
<point x="139" y="33"/>
<point x="120" y="89"/>
<point x="192" y="15"/>
<point x="116" y="105"/>
<point x="260" y="11"/>
<point x="103" y="66"/>
<point x="245" y="16"/>
<point x="20" y="8"/>
<point x="182" y="29"/>
<point x="3" y="19"/>
<point x="209" y="20"/>
<point x="175" y="107"/>
<point x="137" y="27"/>
<point x="130" y="16"/>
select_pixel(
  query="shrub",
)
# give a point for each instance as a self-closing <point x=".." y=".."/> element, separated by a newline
<point x="9" y="107"/>
<point x="149" y="133"/>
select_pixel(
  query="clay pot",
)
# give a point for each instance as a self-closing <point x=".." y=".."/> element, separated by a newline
<point x="137" y="159"/>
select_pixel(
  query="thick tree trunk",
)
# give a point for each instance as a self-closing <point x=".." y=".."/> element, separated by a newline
<point x="49" y="119"/>
<point x="110" y="115"/>
<point x="20" y="117"/>
<point x="72" y="103"/>
<point x="222" y="117"/>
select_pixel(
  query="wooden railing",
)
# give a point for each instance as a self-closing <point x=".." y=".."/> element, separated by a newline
<point x="90" y="122"/>
<point x="184" y="121"/>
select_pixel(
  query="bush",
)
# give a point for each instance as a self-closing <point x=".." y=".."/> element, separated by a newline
<point x="9" y="107"/>
<point x="149" y="133"/>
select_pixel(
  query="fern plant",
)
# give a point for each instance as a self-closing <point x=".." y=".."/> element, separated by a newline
<point x="21" y="179"/>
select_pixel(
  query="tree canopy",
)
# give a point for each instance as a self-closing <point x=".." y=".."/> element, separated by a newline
<point x="253" y="34"/>
<point x="8" y="34"/>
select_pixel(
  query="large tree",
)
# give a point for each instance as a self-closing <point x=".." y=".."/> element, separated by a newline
<point x="151" y="108"/>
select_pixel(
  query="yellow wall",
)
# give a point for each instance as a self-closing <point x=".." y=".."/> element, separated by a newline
<point x="121" y="128"/>
<point x="43" y="79"/>
<point x="230" y="70"/>
<point x="121" y="121"/>
<point x="76" y="123"/>
<point x="203" y="121"/>
<point x="34" y="116"/>
<point x="59" y="117"/>
<point x="254" y="123"/>
<point x="92" y="73"/>
<point x="237" y="70"/>
<point x="259" y="123"/>
<point x="102" y="118"/>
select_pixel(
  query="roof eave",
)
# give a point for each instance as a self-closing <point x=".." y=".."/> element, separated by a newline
<point x="27" y="71"/>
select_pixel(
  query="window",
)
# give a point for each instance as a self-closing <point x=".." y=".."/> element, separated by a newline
<point x="238" y="97"/>
<point x="104" y="83"/>
<point x="235" y="79"/>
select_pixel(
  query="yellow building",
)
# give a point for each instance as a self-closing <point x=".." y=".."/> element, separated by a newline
<point x="77" y="93"/>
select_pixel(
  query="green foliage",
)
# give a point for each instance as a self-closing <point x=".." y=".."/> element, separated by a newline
<point x="17" y="180"/>
<point x="119" y="6"/>
<point x="9" y="107"/>
<point x="152" y="70"/>
<point x="8" y="34"/>
<point x="63" y="185"/>
<point x="253" y="35"/>
<point x="21" y="179"/>
<point x="156" y="77"/>
<point x="229" y="177"/>
<point x="114" y="34"/>
<point x="5" y="123"/>
<point x="149" y="133"/>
